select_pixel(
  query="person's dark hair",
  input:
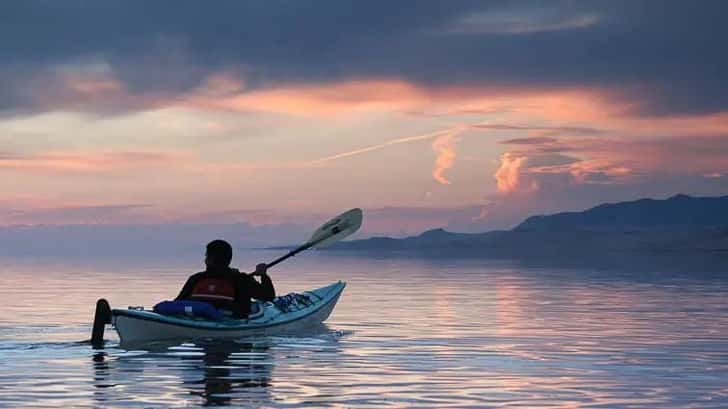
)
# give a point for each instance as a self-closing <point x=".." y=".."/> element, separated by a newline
<point x="221" y="251"/>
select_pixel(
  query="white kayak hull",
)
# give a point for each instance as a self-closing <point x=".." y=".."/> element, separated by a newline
<point x="146" y="326"/>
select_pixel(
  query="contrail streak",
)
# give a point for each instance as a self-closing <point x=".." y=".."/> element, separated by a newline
<point x="378" y="146"/>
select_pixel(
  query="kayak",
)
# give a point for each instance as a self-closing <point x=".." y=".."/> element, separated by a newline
<point x="289" y="313"/>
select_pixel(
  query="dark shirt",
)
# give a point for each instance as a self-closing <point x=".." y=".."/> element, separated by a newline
<point x="246" y="287"/>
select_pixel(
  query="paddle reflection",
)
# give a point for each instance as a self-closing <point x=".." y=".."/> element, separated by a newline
<point x="102" y="376"/>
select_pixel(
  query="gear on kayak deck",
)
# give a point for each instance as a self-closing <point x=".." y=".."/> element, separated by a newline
<point x="292" y="302"/>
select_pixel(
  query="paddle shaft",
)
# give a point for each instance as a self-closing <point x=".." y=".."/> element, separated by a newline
<point x="302" y="248"/>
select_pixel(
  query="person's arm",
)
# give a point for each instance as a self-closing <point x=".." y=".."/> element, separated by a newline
<point x="264" y="290"/>
<point x="187" y="288"/>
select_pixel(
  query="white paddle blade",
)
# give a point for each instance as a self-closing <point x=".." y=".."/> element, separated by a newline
<point x="337" y="228"/>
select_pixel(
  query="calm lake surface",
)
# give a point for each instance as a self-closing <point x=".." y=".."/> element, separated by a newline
<point x="407" y="332"/>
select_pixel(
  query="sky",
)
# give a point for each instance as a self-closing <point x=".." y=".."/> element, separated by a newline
<point x="468" y="115"/>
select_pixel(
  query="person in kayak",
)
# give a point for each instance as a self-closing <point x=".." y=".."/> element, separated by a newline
<point x="224" y="287"/>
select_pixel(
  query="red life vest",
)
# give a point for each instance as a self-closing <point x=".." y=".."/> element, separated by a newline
<point x="214" y="289"/>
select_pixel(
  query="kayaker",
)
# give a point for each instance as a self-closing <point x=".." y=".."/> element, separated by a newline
<point x="224" y="287"/>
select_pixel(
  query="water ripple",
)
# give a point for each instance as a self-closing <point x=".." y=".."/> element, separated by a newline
<point x="406" y="333"/>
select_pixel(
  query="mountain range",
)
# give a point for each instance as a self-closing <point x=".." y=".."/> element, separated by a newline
<point x="678" y="212"/>
<point x="677" y="224"/>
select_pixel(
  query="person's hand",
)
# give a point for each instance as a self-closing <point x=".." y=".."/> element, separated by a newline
<point x="260" y="270"/>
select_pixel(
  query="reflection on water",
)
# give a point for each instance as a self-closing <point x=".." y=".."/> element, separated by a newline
<point x="406" y="333"/>
<point x="219" y="373"/>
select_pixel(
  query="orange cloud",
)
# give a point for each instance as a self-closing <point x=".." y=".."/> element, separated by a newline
<point x="606" y="138"/>
<point x="598" y="171"/>
<point x="608" y="160"/>
<point x="222" y="92"/>
<point x="524" y="171"/>
<point x="444" y="146"/>
<point x="310" y="100"/>
<point x="508" y="175"/>
<point x="557" y="112"/>
<point x="98" y="90"/>
<point x="562" y="107"/>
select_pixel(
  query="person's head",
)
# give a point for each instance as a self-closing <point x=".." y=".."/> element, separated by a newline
<point x="219" y="254"/>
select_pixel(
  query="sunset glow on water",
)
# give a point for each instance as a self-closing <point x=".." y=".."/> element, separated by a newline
<point x="406" y="333"/>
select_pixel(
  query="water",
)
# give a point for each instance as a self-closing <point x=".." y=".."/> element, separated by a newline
<point x="406" y="333"/>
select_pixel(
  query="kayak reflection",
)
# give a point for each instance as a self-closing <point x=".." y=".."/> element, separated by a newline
<point x="230" y="370"/>
<point x="219" y="372"/>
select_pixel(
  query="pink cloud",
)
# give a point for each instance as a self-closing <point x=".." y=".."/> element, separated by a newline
<point x="313" y="99"/>
<point x="444" y="146"/>
<point x="608" y="161"/>
<point x="85" y="90"/>
<point x="557" y="138"/>
<point x="32" y="210"/>
<point x="93" y="89"/>
<point x="229" y="93"/>
<point x="509" y="176"/>
<point x="86" y="161"/>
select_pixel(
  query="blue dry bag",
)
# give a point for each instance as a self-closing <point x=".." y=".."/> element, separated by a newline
<point x="191" y="308"/>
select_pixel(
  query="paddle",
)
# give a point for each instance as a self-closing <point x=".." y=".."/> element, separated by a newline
<point x="330" y="232"/>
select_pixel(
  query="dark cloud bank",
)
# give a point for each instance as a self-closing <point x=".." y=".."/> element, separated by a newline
<point x="668" y="56"/>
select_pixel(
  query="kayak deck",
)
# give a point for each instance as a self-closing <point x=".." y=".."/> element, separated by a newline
<point x="291" y="312"/>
